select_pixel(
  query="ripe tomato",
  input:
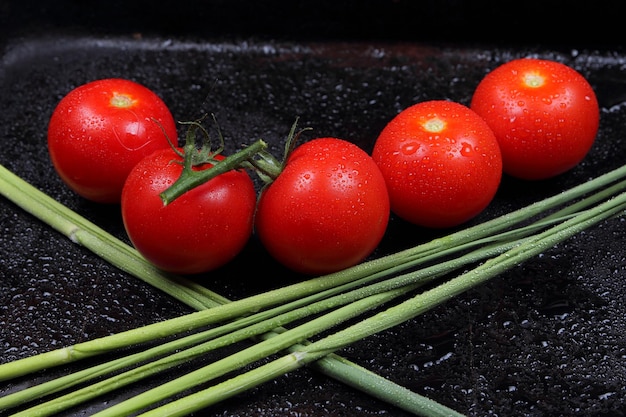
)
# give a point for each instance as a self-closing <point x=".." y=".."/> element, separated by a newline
<point x="544" y="114"/>
<point x="327" y="210"/>
<point x="199" y="231"/>
<point x="101" y="129"/>
<point x="441" y="163"/>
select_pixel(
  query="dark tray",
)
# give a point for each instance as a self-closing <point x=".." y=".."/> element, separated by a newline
<point x="544" y="339"/>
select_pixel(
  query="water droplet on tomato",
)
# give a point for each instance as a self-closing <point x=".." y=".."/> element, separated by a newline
<point x="410" y="148"/>
<point x="466" y="149"/>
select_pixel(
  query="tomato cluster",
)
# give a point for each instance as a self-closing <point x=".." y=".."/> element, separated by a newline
<point x="326" y="206"/>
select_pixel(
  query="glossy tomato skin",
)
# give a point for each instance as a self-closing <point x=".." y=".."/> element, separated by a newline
<point x="201" y="230"/>
<point x="101" y="129"/>
<point x="327" y="210"/>
<point x="441" y="163"/>
<point x="544" y="114"/>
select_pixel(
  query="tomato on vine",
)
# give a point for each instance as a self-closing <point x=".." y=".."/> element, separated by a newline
<point x="544" y="114"/>
<point x="101" y="129"/>
<point x="202" y="229"/>
<point x="326" y="210"/>
<point x="441" y="163"/>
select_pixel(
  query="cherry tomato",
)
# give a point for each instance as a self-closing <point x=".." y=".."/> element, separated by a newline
<point x="441" y="162"/>
<point x="544" y="114"/>
<point x="327" y="210"/>
<point x="101" y="129"/>
<point x="201" y="230"/>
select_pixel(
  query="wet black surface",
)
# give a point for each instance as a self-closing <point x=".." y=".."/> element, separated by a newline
<point x="545" y="339"/>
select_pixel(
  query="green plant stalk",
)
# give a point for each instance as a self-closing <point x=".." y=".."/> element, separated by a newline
<point x="202" y="343"/>
<point x="199" y="297"/>
<point x="119" y="254"/>
<point x="250" y="354"/>
<point x="126" y="258"/>
<point x="395" y="315"/>
<point x="191" y="178"/>
<point x="86" y="240"/>
<point x="244" y="328"/>
<point x="122" y="245"/>
<point x="240" y="329"/>
<point x="205" y="317"/>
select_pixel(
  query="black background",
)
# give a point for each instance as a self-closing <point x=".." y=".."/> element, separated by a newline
<point x="545" y="339"/>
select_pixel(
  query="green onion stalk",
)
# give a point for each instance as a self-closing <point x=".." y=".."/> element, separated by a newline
<point x="318" y="292"/>
<point x="379" y="322"/>
<point x="383" y="320"/>
<point x="236" y="331"/>
<point x="85" y="233"/>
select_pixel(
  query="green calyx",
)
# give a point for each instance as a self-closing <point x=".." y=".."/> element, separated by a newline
<point x="254" y="157"/>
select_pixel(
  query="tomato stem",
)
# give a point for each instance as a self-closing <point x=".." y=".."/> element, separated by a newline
<point x="255" y="157"/>
<point x="266" y="166"/>
<point x="191" y="178"/>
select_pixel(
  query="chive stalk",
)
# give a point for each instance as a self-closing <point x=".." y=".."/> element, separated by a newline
<point x="119" y="254"/>
<point x="85" y="233"/>
<point x="257" y="324"/>
<point x="386" y="319"/>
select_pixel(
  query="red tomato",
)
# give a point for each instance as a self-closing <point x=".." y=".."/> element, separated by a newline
<point x="199" y="231"/>
<point x="100" y="130"/>
<point x="544" y="114"/>
<point x="441" y="163"/>
<point x="327" y="210"/>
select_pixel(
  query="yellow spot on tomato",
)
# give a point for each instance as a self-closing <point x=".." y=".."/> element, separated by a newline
<point x="534" y="80"/>
<point x="122" y="100"/>
<point x="434" y="125"/>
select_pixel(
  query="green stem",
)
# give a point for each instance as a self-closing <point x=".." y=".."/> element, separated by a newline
<point x="205" y="317"/>
<point x="248" y="355"/>
<point x="238" y="330"/>
<point x="120" y="255"/>
<point x="190" y="178"/>
<point x="393" y="316"/>
<point x="532" y="246"/>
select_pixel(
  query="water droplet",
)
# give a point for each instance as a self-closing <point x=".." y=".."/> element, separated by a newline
<point x="410" y="148"/>
<point x="466" y="149"/>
